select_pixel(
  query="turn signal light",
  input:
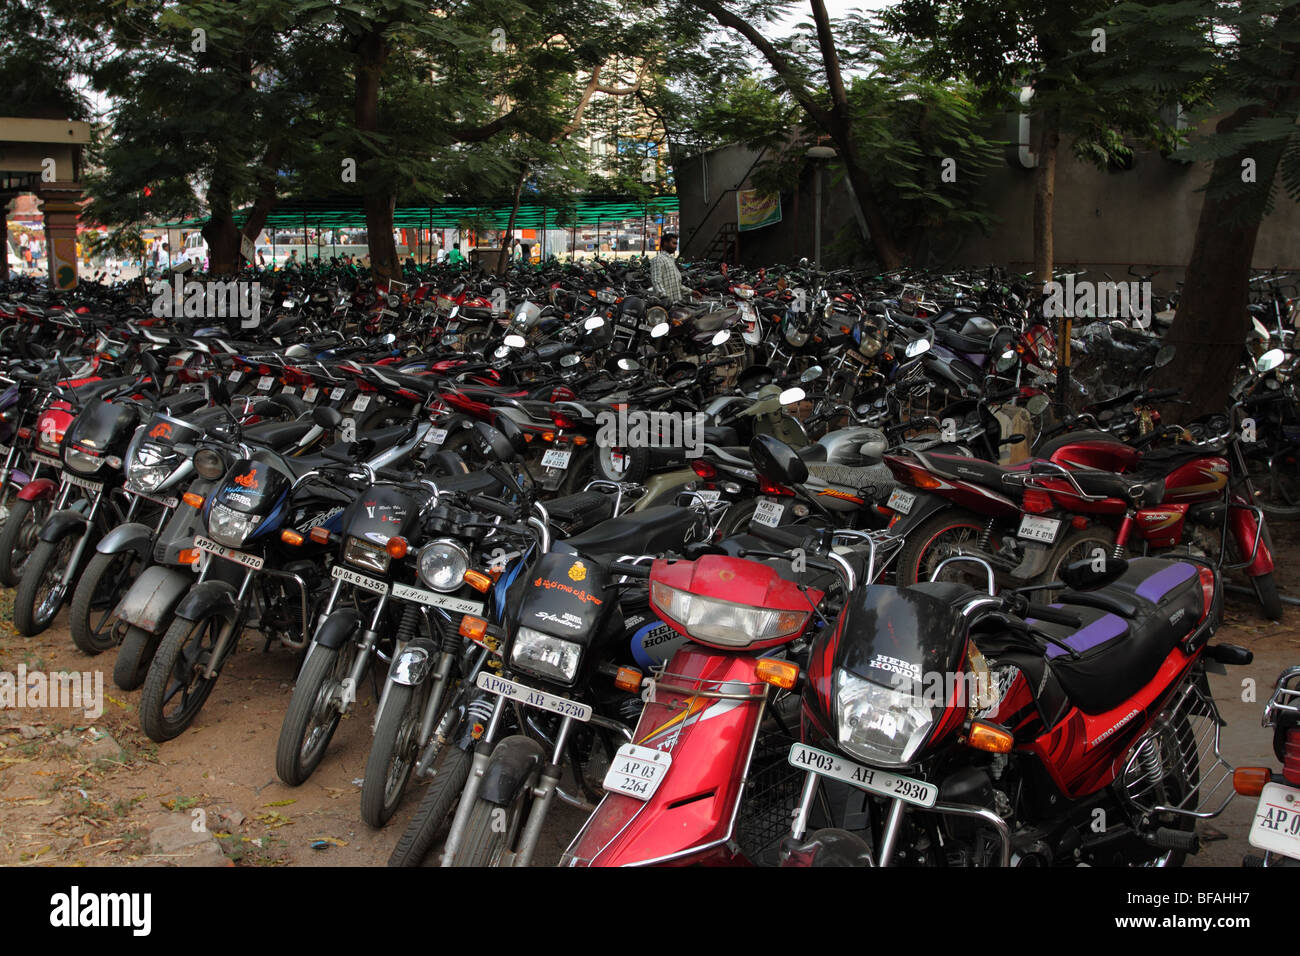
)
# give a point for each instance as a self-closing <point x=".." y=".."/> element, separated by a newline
<point x="473" y="627"/>
<point x="291" y="537"/>
<point x="1249" y="781"/>
<point x="396" y="547"/>
<point x="193" y="499"/>
<point x="319" y="535"/>
<point x="24" y="433"/>
<point x="628" y="678"/>
<point x="921" y="480"/>
<point x="777" y="673"/>
<point x="989" y="737"/>
<point x="1037" y="501"/>
<point x="478" y="580"/>
<point x="189" y="556"/>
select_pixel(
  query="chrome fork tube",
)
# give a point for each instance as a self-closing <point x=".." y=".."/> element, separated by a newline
<point x="482" y="752"/>
<point x="543" y="794"/>
<point x="889" y="839"/>
<point x="805" y="804"/>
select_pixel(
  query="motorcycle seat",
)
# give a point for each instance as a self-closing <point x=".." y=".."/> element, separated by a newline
<point x="1136" y="489"/>
<point x="1129" y="628"/>
<point x="652" y="531"/>
<point x="974" y="470"/>
<point x="873" y="482"/>
<point x="709" y="322"/>
<point x="277" y="435"/>
<point x="726" y="436"/>
<point x="578" y="512"/>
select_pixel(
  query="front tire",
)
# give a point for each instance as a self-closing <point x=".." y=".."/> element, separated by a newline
<point x="392" y="756"/>
<point x="98" y="591"/>
<point x="18" y="537"/>
<point x="38" y="599"/>
<point x="1266" y="590"/>
<point x="134" y="658"/>
<point x="175" y="677"/>
<point x="485" y="839"/>
<point x="313" y="715"/>
<point x="434" y="814"/>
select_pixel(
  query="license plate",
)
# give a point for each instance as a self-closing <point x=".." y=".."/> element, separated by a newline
<point x="619" y="460"/>
<point x="434" y="599"/>
<point x="1277" y="820"/>
<point x="901" y="501"/>
<point x="309" y="394"/>
<point x="556" y="459"/>
<point x="1039" y="529"/>
<point x="360" y="580"/>
<point x="707" y="495"/>
<point x="637" y="771"/>
<point x="165" y="502"/>
<point x="533" y="698"/>
<point x="336" y="394"/>
<point x="435" y="436"/>
<point x="451" y="327"/>
<point x="360" y="404"/>
<point x="46" y="460"/>
<point x="239" y="557"/>
<point x="769" y="512"/>
<point x="80" y="482"/>
<point x="883" y="784"/>
<point x="236" y="377"/>
<point x="265" y="382"/>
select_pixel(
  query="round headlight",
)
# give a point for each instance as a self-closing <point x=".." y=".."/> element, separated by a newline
<point x="1006" y="360"/>
<point x="209" y="464"/>
<point x="443" y="564"/>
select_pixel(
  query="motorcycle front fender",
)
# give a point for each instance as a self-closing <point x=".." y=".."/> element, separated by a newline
<point x="338" y="628"/>
<point x="38" y="489"/>
<point x="63" y="523"/>
<point x="132" y="536"/>
<point x="414" y="663"/>
<point x="208" y="598"/>
<point x="151" y="601"/>
<point x="512" y="762"/>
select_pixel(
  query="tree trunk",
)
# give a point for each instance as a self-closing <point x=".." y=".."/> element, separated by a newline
<point x="503" y="258"/>
<point x="372" y="54"/>
<point x="1210" y="326"/>
<point x="1045" y="196"/>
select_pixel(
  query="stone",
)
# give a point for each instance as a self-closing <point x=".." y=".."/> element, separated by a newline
<point x="178" y="836"/>
<point x="28" y="732"/>
<point x="103" y="747"/>
<point x="232" y="817"/>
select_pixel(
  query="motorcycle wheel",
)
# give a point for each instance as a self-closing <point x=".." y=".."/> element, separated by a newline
<point x="36" y="603"/>
<point x="932" y="540"/>
<point x="1266" y="590"/>
<point x="1277" y="492"/>
<point x="134" y="658"/>
<point x="177" y="670"/>
<point x="90" y="616"/>
<point x="485" y="839"/>
<point x="434" y="814"/>
<point x="1078" y="545"/>
<point x="313" y="714"/>
<point x="392" y="756"/>
<point x="18" y="537"/>
<point x="636" y="464"/>
<point x="737" y="518"/>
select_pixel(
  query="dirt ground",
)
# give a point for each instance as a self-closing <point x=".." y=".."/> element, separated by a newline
<point x="70" y="797"/>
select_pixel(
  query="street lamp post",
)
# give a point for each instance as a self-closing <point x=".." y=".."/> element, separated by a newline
<point x="819" y="155"/>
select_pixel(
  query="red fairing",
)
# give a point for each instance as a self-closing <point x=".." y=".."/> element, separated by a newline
<point x="1103" y="455"/>
<point x="37" y="489"/>
<point x="690" y="816"/>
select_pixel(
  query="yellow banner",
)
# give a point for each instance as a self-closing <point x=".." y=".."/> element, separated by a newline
<point x="754" y="209"/>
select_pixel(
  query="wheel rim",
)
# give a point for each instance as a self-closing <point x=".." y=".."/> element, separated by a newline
<point x="946" y="544"/>
<point x="324" y="714"/>
<point x="400" y="766"/>
<point x="49" y="593"/>
<point x="187" y="681"/>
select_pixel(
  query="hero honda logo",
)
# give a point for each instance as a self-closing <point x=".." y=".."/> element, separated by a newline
<point x="209" y="300"/>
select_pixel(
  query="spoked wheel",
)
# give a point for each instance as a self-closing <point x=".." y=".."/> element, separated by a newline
<point x="18" y="537"/>
<point x="41" y="591"/>
<point x="175" y="689"/>
<point x="106" y="578"/>
<point x="314" y="713"/>
<point x="392" y="755"/>
<point x="946" y="534"/>
<point x="1277" y="486"/>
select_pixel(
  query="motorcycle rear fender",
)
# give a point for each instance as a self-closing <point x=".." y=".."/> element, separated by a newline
<point x="414" y="663"/>
<point x="63" y="523"/>
<point x="151" y="601"/>
<point x="711" y="742"/>
<point x="511" y="764"/>
<point x="206" y="598"/>
<point x="338" y="628"/>
<point x="1243" y="527"/>
<point x="923" y="507"/>
<point x="38" y="489"/>
<point x="132" y="536"/>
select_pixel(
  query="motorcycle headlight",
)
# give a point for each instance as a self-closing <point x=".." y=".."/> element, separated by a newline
<point x="545" y="656"/>
<point x="723" y="623"/>
<point x="871" y="344"/>
<point x="229" y="527"/>
<point x="149" y="477"/>
<point x="1007" y="360"/>
<point x="1046" y="355"/>
<point x="366" y="555"/>
<point x="881" y="725"/>
<point x="209" y="464"/>
<point x="443" y="565"/>
<point x="82" y="462"/>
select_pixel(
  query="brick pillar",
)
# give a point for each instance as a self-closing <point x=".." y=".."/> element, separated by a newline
<point x="61" y="206"/>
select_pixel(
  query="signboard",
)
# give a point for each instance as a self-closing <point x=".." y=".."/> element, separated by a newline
<point x="754" y="209"/>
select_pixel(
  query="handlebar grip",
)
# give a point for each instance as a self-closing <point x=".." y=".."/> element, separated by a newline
<point x="395" y="474"/>
<point x="782" y="537"/>
<point x="631" y="570"/>
<point x="1052" y="615"/>
<point x="492" y="506"/>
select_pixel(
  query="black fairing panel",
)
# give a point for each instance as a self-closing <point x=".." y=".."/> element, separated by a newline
<point x="103" y="427"/>
<point x="565" y="596"/>
<point x="892" y="634"/>
<point x="252" y="486"/>
<point x="380" y="513"/>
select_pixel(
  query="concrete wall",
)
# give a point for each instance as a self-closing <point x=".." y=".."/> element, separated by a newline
<point x="1145" y="216"/>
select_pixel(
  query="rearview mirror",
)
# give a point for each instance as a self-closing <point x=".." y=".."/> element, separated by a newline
<point x="594" y="323"/>
<point x="516" y="341"/>
<point x="1085" y="575"/>
<point x="1007" y="360"/>
<point x="792" y="396"/>
<point x="917" y="347"/>
<point x="1164" y="356"/>
<point x="721" y="337"/>
<point x="1037" y="405"/>
<point x="1270" y="360"/>
<point x="811" y="374"/>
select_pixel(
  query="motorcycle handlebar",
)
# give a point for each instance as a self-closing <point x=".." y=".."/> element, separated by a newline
<point x="492" y="506"/>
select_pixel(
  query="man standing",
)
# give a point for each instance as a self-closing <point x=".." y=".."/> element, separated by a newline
<point x="664" y="276"/>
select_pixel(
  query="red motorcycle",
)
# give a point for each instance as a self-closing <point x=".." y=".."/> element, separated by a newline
<point x="1276" y="827"/>
<point x="946" y="726"/>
